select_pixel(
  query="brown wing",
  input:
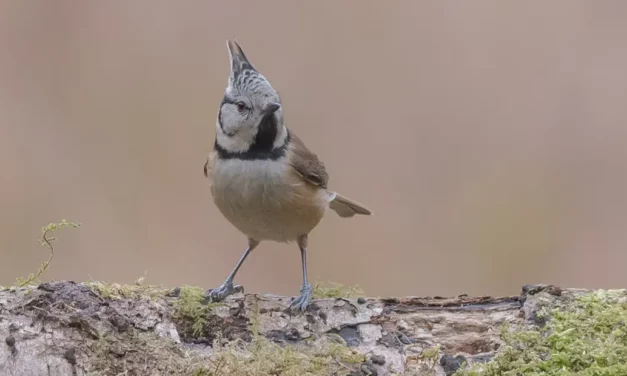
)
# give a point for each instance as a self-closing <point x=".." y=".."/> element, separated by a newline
<point x="307" y="163"/>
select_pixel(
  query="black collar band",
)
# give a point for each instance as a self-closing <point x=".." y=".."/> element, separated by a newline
<point x="254" y="153"/>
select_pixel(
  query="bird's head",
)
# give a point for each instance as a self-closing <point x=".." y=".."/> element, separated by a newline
<point x="250" y="114"/>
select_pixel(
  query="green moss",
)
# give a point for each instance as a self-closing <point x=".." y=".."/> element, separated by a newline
<point x="586" y="337"/>
<point x="264" y="357"/>
<point x="192" y="314"/>
<point x="202" y="371"/>
<point x="336" y="290"/>
<point x="138" y="290"/>
<point x="46" y="241"/>
<point x="431" y="356"/>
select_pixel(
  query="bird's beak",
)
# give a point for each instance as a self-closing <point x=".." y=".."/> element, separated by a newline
<point x="271" y="108"/>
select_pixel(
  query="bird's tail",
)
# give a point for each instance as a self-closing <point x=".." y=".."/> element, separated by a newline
<point x="346" y="208"/>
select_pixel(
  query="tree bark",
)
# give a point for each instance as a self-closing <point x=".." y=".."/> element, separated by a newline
<point x="66" y="329"/>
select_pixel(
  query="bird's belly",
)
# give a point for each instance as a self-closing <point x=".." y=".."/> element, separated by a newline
<point x="264" y="202"/>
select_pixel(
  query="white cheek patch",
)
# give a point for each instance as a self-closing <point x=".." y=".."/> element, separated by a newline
<point x="239" y="142"/>
<point x="229" y="124"/>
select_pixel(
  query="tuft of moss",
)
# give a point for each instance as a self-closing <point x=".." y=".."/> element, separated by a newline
<point x="336" y="290"/>
<point x="192" y="313"/>
<point x="138" y="290"/>
<point x="586" y="337"/>
<point x="424" y="364"/>
<point x="46" y="241"/>
<point x="264" y="358"/>
<point x="431" y="356"/>
<point x="202" y="371"/>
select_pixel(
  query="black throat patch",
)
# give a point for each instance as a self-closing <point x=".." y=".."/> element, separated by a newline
<point x="263" y="146"/>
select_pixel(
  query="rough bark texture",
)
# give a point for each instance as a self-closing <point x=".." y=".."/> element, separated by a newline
<point x="66" y="328"/>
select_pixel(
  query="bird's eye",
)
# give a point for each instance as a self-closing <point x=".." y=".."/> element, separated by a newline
<point x="241" y="106"/>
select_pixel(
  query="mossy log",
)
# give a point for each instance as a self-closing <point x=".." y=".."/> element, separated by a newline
<point x="66" y="329"/>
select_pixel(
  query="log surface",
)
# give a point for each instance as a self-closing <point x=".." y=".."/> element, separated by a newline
<point x="65" y="329"/>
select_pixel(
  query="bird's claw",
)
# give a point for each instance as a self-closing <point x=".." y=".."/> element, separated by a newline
<point x="225" y="289"/>
<point x="302" y="302"/>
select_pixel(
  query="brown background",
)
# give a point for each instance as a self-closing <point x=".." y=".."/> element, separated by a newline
<point x="488" y="137"/>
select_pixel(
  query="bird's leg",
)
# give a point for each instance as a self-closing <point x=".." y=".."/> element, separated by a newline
<point x="227" y="288"/>
<point x="302" y="302"/>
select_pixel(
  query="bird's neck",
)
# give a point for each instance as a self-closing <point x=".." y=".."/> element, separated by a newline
<point x="268" y="143"/>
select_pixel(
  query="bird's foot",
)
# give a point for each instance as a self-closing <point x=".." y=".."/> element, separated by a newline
<point x="225" y="289"/>
<point x="302" y="302"/>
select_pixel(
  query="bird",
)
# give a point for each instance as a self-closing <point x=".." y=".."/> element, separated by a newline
<point x="263" y="179"/>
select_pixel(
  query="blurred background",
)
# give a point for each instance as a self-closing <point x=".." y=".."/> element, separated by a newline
<point x="489" y="138"/>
